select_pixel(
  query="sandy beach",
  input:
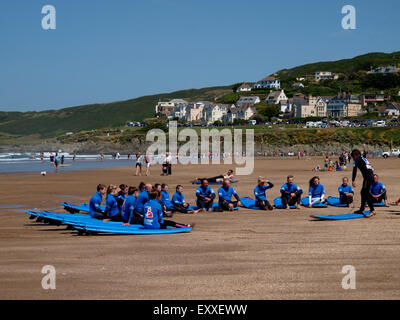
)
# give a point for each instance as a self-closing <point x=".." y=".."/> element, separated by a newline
<point x="244" y="255"/>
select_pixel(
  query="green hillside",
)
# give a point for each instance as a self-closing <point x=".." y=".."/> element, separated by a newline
<point x="346" y="66"/>
<point x="54" y="122"/>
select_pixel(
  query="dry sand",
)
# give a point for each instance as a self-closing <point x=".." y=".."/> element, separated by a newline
<point x="243" y="255"/>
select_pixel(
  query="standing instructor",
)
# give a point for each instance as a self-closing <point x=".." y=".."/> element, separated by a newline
<point x="367" y="172"/>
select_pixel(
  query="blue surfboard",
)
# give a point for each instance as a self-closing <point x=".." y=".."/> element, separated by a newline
<point x="378" y="204"/>
<point x="129" y="230"/>
<point x="278" y="204"/>
<point x="249" y="203"/>
<point x="335" y="202"/>
<point x="349" y="216"/>
<point x="305" y="202"/>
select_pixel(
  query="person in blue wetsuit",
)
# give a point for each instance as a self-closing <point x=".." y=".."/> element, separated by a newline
<point x="204" y="196"/>
<point x="179" y="203"/>
<point x="143" y="197"/>
<point x="290" y="193"/>
<point x="260" y="194"/>
<point x="378" y="191"/>
<point x="95" y="209"/>
<point x="362" y="164"/>
<point x="112" y="209"/>
<point x="346" y="193"/>
<point x="225" y="194"/>
<point x="316" y="192"/>
<point x="153" y="214"/>
<point x="122" y="195"/>
<point x="128" y="214"/>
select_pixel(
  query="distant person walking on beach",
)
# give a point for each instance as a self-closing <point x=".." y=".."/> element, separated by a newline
<point x="74" y="157"/>
<point x="102" y="156"/>
<point x="147" y="162"/>
<point x="57" y="160"/>
<point x="52" y="158"/>
<point x="42" y="157"/>
<point x="167" y="165"/>
<point x="62" y="159"/>
<point x="139" y="159"/>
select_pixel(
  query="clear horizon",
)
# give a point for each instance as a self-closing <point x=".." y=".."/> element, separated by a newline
<point x="126" y="49"/>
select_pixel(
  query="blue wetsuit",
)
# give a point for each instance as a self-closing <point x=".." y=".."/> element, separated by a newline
<point x="129" y="207"/>
<point x="112" y="209"/>
<point x="260" y="195"/>
<point x="152" y="215"/>
<point x="95" y="209"/>
<point x="141" y="200"/>
<point x="286" y="191"/>
<point x="165" y="200"/>
<point x="201" y="194"/>
<point x="225" y="197"/>
<point x="343" y="189"/>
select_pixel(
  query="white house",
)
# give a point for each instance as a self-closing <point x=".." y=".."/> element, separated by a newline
<point x="325" y="75"/>
<point x="215" y="112"/>
<point x="166" y="108"/>
<point x="245" y="87"/>
<point x="274" y="97"/>
<point x="248" y="101"/>
<point x="248" y="112"/>
<point x="391" y="110"/>
<point x="268" y="82"/>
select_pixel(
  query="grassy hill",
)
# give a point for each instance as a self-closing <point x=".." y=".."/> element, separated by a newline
<point x="346" y="66"/>
<point x="55" y="122"/>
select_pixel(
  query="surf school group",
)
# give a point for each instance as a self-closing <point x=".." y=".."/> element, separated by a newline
<point x="148" y="205"/>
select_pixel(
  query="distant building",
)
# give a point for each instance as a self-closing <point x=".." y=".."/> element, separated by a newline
<point x="248" y="101"/>
<point x="166" y="109"/>
<point x="297" y="85"/>
<point x="373" y="99"/>
<point x="215" y="112"/>
<point x="275" y="97"/>
<point x="384" y="70"/>
<point x="268" y="82"/>
<point x="391" y="110"/>
<point x="344" y="106"/>
<point x="325" y="75"/>
<point x="245" y="87"/>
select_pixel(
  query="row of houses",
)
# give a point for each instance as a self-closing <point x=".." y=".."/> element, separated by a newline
<point x="300" y="105"/>
<point x="208" y="112"/>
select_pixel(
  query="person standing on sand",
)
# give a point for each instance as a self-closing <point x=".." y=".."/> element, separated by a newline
<point x="74" y="157"/>
<point x="138" y="164"/>
<point x="41" y="157"/>
<point x="147" y="162"/>
<point x="56" y="160"/>
<point x="167" y="165"/>
<point x="367" y="172"/>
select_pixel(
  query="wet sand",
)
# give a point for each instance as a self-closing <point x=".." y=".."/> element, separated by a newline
<point x="244" y="255"/>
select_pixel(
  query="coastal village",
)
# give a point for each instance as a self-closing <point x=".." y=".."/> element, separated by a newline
<point x="296" y="106"/>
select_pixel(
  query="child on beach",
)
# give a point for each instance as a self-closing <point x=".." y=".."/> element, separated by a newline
<point x="346" y="193"/>
<point x="260" y="194"/>
<point x="95" y="209"/>
<point x="153" y="214"/>
<point x="112" y="211"/>
<point x="129" y="206"/>
<point x="143" y="197"/>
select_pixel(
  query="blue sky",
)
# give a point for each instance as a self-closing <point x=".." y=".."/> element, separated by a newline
<point x="107" y="50"/>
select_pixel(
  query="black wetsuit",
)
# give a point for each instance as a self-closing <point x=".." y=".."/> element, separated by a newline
<point x="368" y="175"/>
